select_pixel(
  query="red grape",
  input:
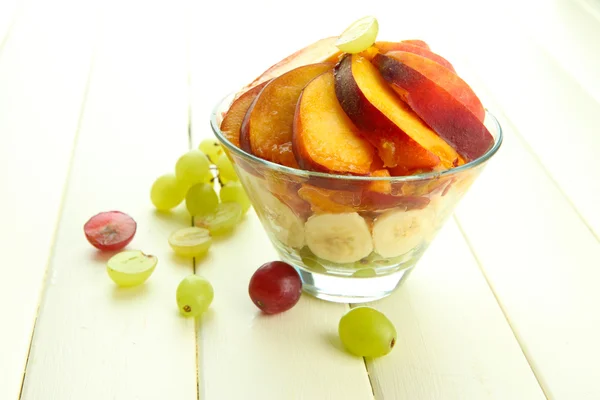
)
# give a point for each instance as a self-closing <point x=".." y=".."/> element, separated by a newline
<point x="110" y="231"/>
<point x="275" y="287"/>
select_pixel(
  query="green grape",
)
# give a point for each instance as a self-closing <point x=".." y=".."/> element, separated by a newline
<point x="190" y="241"/>
<point x="366" y="332"/>
<point x="211" y="148"/>
<point x="234" y="192"/>
<point x="226" y="170"/>
<point x="365" y="273"/>
<point x="194" y="295"/>
<point x="201" y="199"/>
<point x="359" y="36"/>
<point x="222" y="221"/>
<point x="192" y="167"/>
<point x="130" y="268"/>
<point x="167" y="192"/>
<point x="311" y="261"/>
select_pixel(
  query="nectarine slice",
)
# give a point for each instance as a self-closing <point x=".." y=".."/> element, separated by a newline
<point x="416" y="42"/>
<point x="402" y="139"/>
<point x="385" y="47"/>
<point x="447" y="80"/>
<point x="232" y="122"/>
<point x="266" y="130"/>
<point x="380" y="186"/>
<point x="325" y="139"/>
<point x="452" y="121"/>
<point x="323" y="50"/>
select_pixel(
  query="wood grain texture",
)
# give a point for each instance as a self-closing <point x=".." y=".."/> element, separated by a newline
<point x="43" y="72"/>
<point x="453" y="340"/>
<point x="93" y="340"/>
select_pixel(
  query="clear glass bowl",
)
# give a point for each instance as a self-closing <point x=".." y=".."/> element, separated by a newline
<point x="385" y="224"/>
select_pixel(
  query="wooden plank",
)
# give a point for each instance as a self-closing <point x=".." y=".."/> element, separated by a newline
<point x="556" y="114"/>
<point x="93" y="340"/>
<point x="43" y="72"/>
<point x="453" y="340"/>
<point x="8" y="13"/>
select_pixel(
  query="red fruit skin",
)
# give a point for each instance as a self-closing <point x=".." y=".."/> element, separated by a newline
<point x="124" y="228"/>
<point x="275" y="287"/>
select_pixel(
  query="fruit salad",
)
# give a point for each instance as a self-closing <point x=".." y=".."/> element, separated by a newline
<point x="354" y="151"/>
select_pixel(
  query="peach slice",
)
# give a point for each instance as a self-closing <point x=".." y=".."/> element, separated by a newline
<point x="325" y="139"/>
<point x="232" y="122"/>
<point x="380" y="186"/>
<point x="416" y="42"/>
<point x="385" y="47"/>
<point x="447" y="80"/>
<point x="402" y="139"/>
<point x="450" y="118"/>
<point x="323" y="50"/>
<point x="267" y="128"/>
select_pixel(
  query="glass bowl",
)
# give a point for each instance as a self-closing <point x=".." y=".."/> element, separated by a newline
<point x="352" y="239"/>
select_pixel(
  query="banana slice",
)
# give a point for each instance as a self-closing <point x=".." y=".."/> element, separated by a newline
<point x="339" y="238"/>
<point x="397" y="232"/>
<point x="287" y="227"/>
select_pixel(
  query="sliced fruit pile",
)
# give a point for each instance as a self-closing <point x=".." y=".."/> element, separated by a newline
<point x="352" y="105"/>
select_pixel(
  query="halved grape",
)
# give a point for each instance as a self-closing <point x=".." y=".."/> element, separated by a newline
<point x="167" y="192"/>
<point x="131" y="268"/>
<point x="194" y="295"/>
<point x="234" y="192"/>
<point x="222" y="221"/>
<point x="192" y="167"/>
<point x="211" y="148"/>
<point x="226" y="170"/>
<point x="366" y="332"/>
<point x="359" y="36"/>
<point x="275" y="287"/>
<point x="201" y="199"/>
<point x="110" y="231"/>
<point x="190" y="242"/>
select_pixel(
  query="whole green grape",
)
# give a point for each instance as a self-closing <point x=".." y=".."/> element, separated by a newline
<point x="226" y="170"/>
<point x="201" y="199"/>
<point x="234" y="192"/>
<point x="194" y="295"/>
<point x="366" y="332"/>
<point x="211" y="148"/>
<point x="222" y="221"/>
<point x="192" y="167"/>
<point x="167" y="192"/>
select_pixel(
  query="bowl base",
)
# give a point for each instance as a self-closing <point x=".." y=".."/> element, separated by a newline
<point x="341" y="289"/>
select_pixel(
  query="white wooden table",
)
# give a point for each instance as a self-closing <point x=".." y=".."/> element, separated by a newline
<point x="97" y="98"/>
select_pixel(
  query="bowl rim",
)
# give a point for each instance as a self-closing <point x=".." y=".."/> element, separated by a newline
<point x="359" y="178"/>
